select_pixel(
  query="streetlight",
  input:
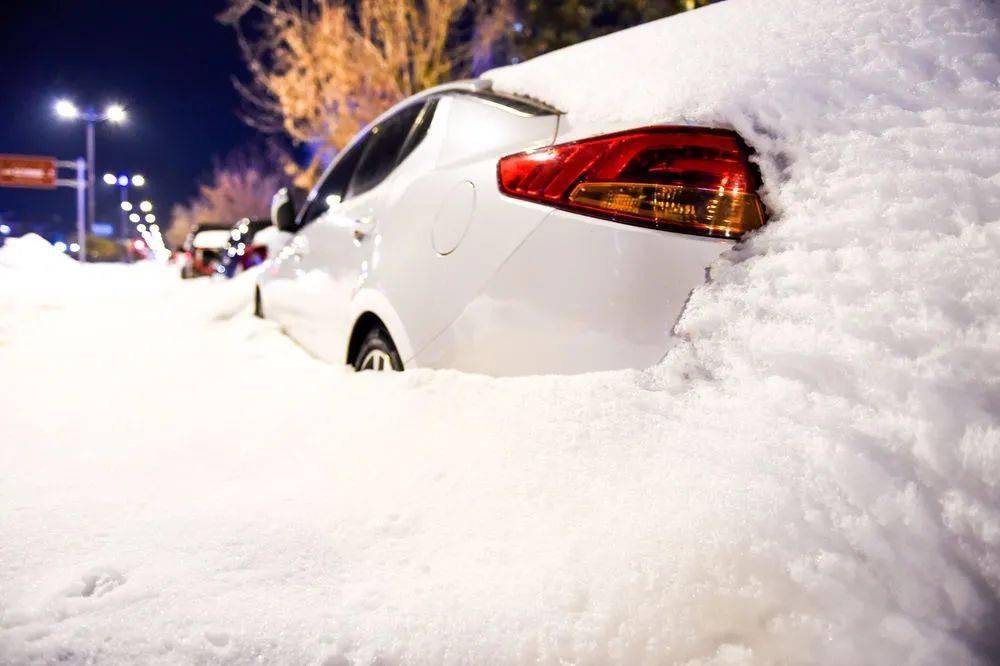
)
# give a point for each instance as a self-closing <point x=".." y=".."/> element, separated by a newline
<point x="114" y="114"/>
<point x="150" y="218"/>
<point x="134" y="218"/>
<point x="145" y="206"/>
<point x="67" y="110"/>
<point x="123" y="181"/>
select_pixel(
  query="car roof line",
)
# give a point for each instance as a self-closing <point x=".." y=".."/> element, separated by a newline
<point x="468" y="86"/>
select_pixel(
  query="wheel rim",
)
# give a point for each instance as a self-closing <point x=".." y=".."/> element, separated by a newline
<point x="377" y="360"/>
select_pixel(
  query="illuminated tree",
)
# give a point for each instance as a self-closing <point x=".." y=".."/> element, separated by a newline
<point x="320" y="70"/>
<point x="240" y="186"/>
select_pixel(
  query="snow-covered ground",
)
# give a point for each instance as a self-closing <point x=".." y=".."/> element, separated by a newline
<point x="811" y="476"/>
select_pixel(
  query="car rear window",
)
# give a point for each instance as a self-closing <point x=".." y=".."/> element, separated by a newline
<point x="385" y="145"/>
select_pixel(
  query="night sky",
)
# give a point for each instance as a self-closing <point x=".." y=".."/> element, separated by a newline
<point x="169" y="62"/>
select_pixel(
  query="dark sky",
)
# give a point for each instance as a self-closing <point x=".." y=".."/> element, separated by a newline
<point x="169" y="62"/>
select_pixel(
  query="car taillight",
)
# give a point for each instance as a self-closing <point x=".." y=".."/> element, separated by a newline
<point x="689" y="179"/>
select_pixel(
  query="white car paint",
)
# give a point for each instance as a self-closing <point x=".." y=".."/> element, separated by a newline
<point x="465" y="277"/>
<point x="273" y="239"/>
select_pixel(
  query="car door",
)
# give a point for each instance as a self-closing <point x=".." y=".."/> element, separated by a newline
<point x="329" y="258"/>
<point x="451" y="229"/>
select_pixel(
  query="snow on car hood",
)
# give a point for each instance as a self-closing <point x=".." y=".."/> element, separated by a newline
<point x="811" y="476"/>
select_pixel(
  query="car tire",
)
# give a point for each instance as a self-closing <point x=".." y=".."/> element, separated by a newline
<point x="258" y="309"/>
<point x="378" y="353"/>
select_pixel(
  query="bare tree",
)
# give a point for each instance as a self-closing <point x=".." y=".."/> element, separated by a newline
<point x="240" y="186"/>
<point x="322" y="69"/>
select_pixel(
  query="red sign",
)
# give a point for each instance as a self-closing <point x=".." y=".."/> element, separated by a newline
<point x="27" y="171"/>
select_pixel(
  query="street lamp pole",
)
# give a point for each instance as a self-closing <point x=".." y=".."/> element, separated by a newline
<point x="114" y="113"/>
<point x="81" y="219"/>
<point x="91" y="158"/>
<point x="123" y="218"/>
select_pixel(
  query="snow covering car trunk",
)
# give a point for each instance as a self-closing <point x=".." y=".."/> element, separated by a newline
<point x="866" y="310"/>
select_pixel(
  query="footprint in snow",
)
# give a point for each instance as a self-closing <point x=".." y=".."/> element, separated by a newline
<point x="96" y="583"/>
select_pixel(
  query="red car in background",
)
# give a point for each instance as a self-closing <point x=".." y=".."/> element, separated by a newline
<point x="203" y="249"/>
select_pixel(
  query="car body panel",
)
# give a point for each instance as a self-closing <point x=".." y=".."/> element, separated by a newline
<point x="311" y="288"/>
<point x="427" y="289"/>
<point x="578" y="295"/>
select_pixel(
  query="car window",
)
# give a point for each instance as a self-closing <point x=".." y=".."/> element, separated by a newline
<point x="419" y="129"/>
<point x="383" y="149"/>
<point x="333" y="189"/>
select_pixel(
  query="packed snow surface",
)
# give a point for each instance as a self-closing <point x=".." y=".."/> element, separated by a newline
<point x="811" y="476"/>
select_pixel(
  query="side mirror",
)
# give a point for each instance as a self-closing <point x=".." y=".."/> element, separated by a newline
<point x="283" y="211"/>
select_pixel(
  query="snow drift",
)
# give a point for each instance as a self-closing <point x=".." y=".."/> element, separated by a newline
<point x="811" y="476"/>
<point x="852" y="347"/>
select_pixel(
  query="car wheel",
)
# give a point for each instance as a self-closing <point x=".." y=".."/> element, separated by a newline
<point x="378" y="353"/>
<point x="258" y="309"/>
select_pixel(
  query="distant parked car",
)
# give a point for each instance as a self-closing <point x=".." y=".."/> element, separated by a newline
<point x="247" y="247"/>
<point x="203" y="248"/>
<point x="474" y="230"/>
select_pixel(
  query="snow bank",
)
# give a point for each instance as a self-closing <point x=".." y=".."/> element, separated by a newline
<point x="32" y="251"/>
<point x="853" y="346"/>
<point x="811" y="477"/>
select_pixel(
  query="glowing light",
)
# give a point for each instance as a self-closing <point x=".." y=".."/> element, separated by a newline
<point x="150" y="218"/>
<point x="74" y="247"/>
<point x="138" y="244"/>
<point x="145" y="206"/>
<point x="155" y="228"/>
<point x="115" y="113"/>
<point x="60" y="246"/>
<point x="110" y="179"/>
<point x="126" y="206"/>
<point x="141" y="228"/>
<point x="138" y="180"/>
<point x="67" y="109"/>
<point x="123" y="180"/>
<point x="4" y="229"/>
<point x="134" y="218"/>
<point x="332" y="200"/>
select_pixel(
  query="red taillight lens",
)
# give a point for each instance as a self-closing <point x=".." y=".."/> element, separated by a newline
<point x="689" y="179"/>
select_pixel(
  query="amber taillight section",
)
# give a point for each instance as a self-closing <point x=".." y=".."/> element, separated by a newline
<point x="689" y="179"/>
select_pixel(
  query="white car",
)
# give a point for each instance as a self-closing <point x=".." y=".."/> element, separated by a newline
<point x="471" y="230"/>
